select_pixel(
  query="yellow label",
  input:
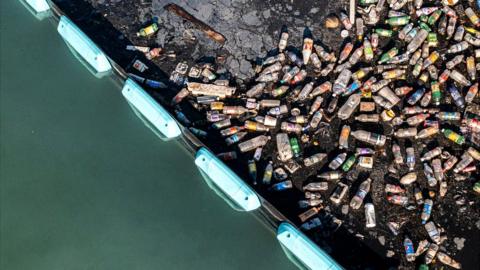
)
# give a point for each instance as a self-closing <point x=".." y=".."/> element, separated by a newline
<point x="453" y="136"/>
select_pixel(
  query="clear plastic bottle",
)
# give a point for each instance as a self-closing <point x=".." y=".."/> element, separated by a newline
<point x="314" y="159"/>
<point x="433" y="232"/>
<point x="267" y="175"/>
<point x="397" y="154"/>
<point x="405" y="132"/>
<point x="343" y="138"/>
<point x="409" y="178"/>
<point x="410" y="158"/>
<point x="369" y="137"/>
<point x="428" y="171"/>
<point x="316" y="186"/>
<point x="340" y="84"/>
<point x="349" y="107"/>
<point x="253" y="143"/>
<point x="370" y="215"/>
<point x="459" y="78"/>
<point x="431" y="154"/>
<point x="417" y="41"/>
<point x="283" y="147"/>
<point x="364" y="188"/>
<point x="337" y="161"/>
<point x="431" y="253"/>
<point x="282" y="44"/>
<point x="427" y="210"/>
<point x="463" y="163"/>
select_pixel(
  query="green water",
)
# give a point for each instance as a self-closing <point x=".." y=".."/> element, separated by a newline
<point x="85" y="185"/>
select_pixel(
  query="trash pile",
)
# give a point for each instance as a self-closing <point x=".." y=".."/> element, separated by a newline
<point x="400" y="94"/>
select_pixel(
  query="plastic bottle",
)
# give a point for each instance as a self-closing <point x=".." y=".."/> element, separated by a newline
<point x="370" y="215"/>
<point x="427" y="132"/>
<point x="428" y="171"/>
<point x="369" y="137"/>
<point x="417" y="41"/>
<point x="463" y="163"/>
<point x="337" y="161"/>
<point x="316" y="105"/>
<point x="410" y="158"/>
<point x="417" y="119"/>
<point x="305" y="91"/>
<point x="314" y="159"/>
<point x="343" y="138"/>
<point x="368" y="118"/>
<point x="253" y="143"/>
<point x="282" y="44"/>
<point x="409" y="178"/>
<point x="453" y="136"/>
<point x="431" y="253"/>
<point x="283" y="147"/>
<point x="397" y="154"/>
<point x="235" y="138"/>
<point x="394" y="189"/>
<point x="339" y="193"/>
<point x="267" y="175"/>
<point x="283" y="186"/>
<point x="431" y="154"/>
<point x="472" y="93"/>
<point x="332" y="175"/>
<point x="409" y="249"/>
<point x="323" y="88"/>
<point x="427" y="210"/>
<point x="398" y="200"/>
<point x="362" y="191"/>
<point x="349" y="107"/>
<point x="416" y="96"/>
<point x="433" y="232"/>
<point x="445" y="259"/>
<point x="459" y="78"/>
<point x="405" y="132"/>
<point x="148" y="31"/>
<point x="340" y="84"/>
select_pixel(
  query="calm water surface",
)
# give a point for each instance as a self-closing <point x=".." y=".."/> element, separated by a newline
<point x="85" y="185"/>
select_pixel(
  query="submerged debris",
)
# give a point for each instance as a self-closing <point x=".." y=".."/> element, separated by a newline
<point x="209" y="31"/>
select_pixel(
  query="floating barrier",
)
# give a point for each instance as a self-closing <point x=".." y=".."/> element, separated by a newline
<point x="150" y="110"/>
<point x="39" y="8"/>
<point x="302" y="251"/>
<point x="227" y="181"/>
<point x="86" y="51"/>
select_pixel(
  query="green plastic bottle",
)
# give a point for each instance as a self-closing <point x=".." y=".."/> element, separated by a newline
<point x="453" y="136"/>
<point x="398" y="21"/>
<point x="295" y="146"/>
<point x="148" y="31"/>
<point x="384" y="32"/>
<point x="348" y="163"/>
<point x="476" y="187"/>
<point x="423" y="267"/>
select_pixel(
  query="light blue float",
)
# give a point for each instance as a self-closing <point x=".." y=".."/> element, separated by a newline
<point x="39" y="8"/>
<point x="226" y="181"/>
<point x="86" y="51"/>
<point x="150" y="110"/>
<point x="304" y="251"/>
